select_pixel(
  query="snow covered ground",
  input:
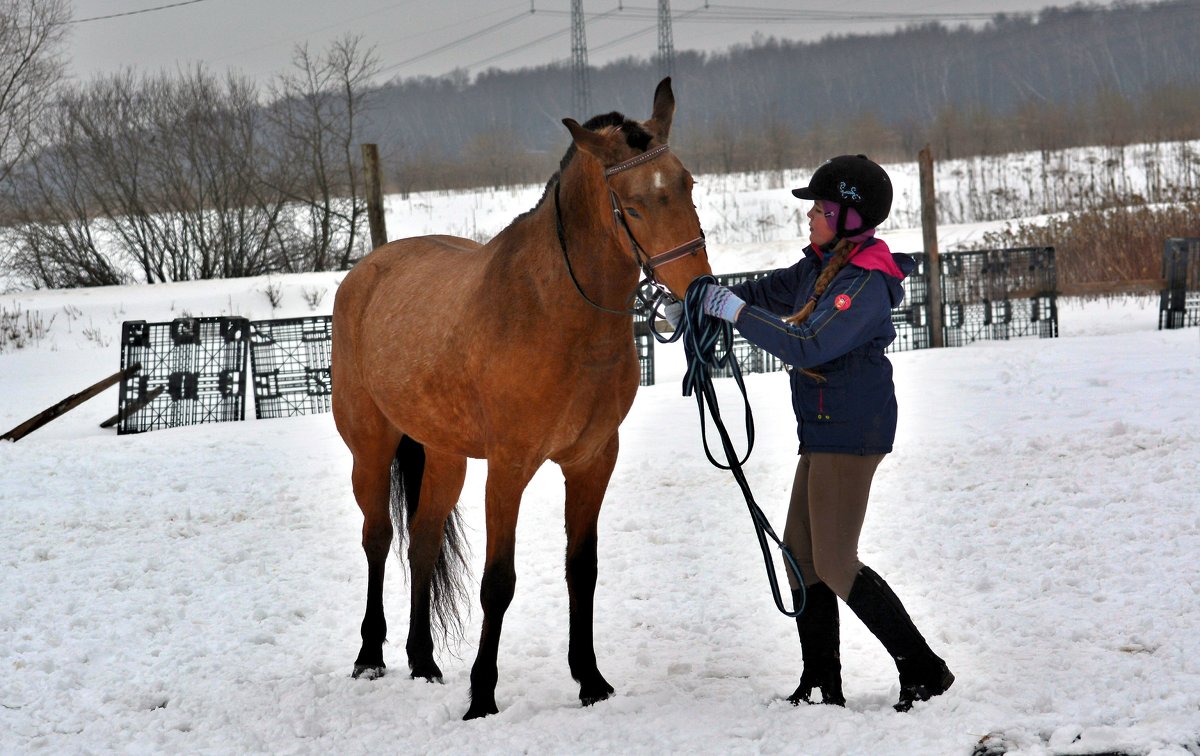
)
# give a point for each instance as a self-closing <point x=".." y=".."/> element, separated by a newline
<point x="199" y="590"/>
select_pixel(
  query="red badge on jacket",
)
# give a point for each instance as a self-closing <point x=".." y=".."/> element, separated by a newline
<point x="842" y="302"/>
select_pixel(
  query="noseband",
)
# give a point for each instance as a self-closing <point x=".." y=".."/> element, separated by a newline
<point x="647" y="262"/>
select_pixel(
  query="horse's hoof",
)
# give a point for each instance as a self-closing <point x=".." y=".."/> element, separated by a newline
<point x="478" y="712"/>
<point x="600" y="691"/>
<point x="428" y="671"/>
<point x="367" y="672"/>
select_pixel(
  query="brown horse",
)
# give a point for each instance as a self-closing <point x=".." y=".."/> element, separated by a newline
<point x="516" y="351"/>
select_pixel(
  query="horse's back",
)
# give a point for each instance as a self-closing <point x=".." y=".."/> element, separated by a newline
<point x="418" y="251"/>
<point x="412" y="270"/>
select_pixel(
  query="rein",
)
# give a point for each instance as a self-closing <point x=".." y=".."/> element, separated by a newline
<point x="707" y="344"/>
<point x="702" y="336"/>
<point x="647" y="262"/>
<point x="562" y="244"/>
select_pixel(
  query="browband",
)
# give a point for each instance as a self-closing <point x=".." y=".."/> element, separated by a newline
<point x="637" y="160"/>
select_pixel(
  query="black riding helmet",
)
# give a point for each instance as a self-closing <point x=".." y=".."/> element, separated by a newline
<point x="853" y="181"/>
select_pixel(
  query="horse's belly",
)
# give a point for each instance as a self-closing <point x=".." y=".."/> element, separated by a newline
<point x="579" y="415"/>
<point x="535" y="411"/>
<point x="433" y="407"/>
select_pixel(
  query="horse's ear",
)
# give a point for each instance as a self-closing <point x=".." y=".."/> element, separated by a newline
<point x="664" y="110"/>
<point x="588" y="141"/>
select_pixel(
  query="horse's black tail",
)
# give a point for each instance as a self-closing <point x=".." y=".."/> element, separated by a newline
<point x="448" y="588"/>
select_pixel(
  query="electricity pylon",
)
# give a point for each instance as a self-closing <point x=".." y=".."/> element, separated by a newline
<point x="666" y="48"/>
<point x="582" y="99"/>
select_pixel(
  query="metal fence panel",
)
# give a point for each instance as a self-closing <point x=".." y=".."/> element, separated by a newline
<point x="290" y="365"/>
<point x="643" y="341"/>
<point x="998" y="294"/>
<point x="200" y="363"/>
<point x="750" y="358"/>
<point x="1179" y="303"/>
<point x="911" y="316"/>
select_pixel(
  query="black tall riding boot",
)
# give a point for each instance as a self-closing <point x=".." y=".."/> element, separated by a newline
<point x="819" y="644"/>
<point x="923" y="674"/>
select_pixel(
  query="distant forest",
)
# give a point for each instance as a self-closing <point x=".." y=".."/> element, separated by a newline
<point x="1062" y="77"/>
<point x="197" y="174"/>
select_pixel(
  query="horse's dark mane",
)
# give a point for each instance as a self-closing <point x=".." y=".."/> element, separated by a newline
<point x="635" y="136"/>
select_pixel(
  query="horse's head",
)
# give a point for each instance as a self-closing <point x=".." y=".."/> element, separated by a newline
<point x="650" y="191"/>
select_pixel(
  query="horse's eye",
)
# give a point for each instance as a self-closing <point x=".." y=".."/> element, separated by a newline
<point x="632" y="213"/>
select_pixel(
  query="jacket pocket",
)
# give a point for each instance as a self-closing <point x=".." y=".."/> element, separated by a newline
<point x="822" y="402"/>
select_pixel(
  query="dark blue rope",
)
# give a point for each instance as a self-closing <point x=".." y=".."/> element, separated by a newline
<point x="707" y="344"/>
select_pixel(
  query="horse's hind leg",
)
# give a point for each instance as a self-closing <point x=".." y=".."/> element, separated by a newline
<point x="586" y="483"/>
<point x="432" y="560"/>
<point x="372" y="479"/>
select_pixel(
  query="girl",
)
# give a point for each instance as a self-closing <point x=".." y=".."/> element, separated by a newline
<point x="829" y="318"/>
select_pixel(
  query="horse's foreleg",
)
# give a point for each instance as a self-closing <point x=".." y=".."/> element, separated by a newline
<point x="585" y="484"/>
<point x="441" y="485"/>
<point x="504" y="486"/>
<point x="371" y="479"/>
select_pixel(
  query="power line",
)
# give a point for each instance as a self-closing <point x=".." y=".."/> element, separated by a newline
<point x="644" y="30"/>
<point x="624" y="38"/>
<point x="294" y="39"/>
<point x="714" y="13"/>
<point x="706" y="13"/>
<point x="519" y="48"/>
<point x="136" y="12"/>
<point x="539" y="40"/>
<point x="456" y="42"/>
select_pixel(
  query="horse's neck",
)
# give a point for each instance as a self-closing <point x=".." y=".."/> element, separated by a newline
<point x="602" y="263"/>
<point x="529" y="250"/>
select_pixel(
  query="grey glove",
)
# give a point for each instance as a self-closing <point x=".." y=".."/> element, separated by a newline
<point x="722" y="303"/>
<point x="673" y="313"/>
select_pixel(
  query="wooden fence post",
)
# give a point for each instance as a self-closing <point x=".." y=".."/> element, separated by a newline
<point x="374" y="190"/>
<point x="134" y="407"/>
<point x="933" y="260"/>
<point x="68" y="404"/>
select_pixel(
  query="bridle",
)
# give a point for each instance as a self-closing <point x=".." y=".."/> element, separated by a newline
<point x="646" y="261"/>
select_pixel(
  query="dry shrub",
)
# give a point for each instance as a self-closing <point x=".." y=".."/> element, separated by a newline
<point x="21" y="329"/>
<point x="1107" y="245"/>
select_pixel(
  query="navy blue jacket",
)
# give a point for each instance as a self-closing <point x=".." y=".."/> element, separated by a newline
<point x="853" y="410"/>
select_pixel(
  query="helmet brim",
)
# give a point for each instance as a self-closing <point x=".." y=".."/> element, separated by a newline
<point x="805" y="193"/>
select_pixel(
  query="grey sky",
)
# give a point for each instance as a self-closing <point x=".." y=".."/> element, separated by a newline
<point x="434" y="37"/>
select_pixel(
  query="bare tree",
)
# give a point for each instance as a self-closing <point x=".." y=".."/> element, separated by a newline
<point x="31" y="36"/>
<point x="190" y="176"/>
<point x="165" y="176"/>
<point x="55" y="241"/>
<point x="315" y="112"/>
<point x="718" y="147"/>
<point x="212" y="176"/>
<point x="778" y="140"/>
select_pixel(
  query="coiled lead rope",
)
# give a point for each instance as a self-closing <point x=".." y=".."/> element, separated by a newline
<point x="708" y="347"/>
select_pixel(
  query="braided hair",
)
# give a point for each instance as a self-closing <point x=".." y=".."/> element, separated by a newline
<point x="837" y="260"/>
<point x="838" y="256"/>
